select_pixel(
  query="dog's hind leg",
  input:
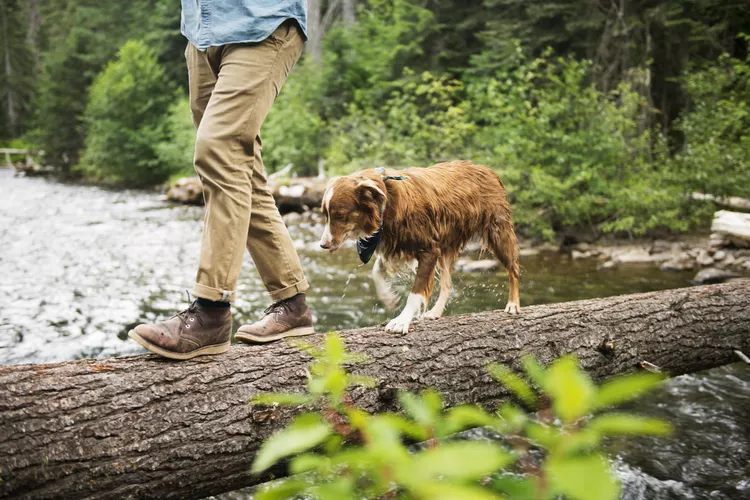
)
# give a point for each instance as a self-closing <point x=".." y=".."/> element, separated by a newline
<point x="419" y="296"/>
<point x="382" y="289"/>
<point x="503" y="243"/>
<point x="446" y="283"/>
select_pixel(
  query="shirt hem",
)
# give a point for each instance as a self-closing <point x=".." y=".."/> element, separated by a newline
<point x="259" y="38"/>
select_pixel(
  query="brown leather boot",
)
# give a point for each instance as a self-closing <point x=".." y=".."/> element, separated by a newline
<point x="285" y="318"/>
<point x="196" y="331"/>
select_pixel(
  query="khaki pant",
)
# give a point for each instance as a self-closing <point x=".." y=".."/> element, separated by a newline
<point x="232" y="88"/>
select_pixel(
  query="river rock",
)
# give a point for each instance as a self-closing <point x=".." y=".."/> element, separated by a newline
<point x="477" y="266"/>
<point x="720" y="255"/>
<point x="660" y="246"/>
<point x="713" y="275"/>
<point x="528" y="252"/>
<point x="717" y="240"/>
<point x="703" y="259"/>
<point x="187" y="190"/>
<point x="638" y="255"/>
<point x="610" y="264"/>
<point x="682" y="262"/>
<point x="578" y="254"/>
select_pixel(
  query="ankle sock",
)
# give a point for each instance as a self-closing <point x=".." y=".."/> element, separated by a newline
<point x="211" y="304"/>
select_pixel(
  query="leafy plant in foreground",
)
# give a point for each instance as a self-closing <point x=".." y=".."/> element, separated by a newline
<point x="341" y="451"/>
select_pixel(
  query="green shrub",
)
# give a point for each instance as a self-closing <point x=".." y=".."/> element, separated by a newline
<point x="570" y="154"/>
<point x="421" y="123"/>
<point x="715" y="158"/>
<point x="294" y="131"/>
<point x="125" y="119"/>
<point x="177" y="151"/>
<point x="342" y="452"/>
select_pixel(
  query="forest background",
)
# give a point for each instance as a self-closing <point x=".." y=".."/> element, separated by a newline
<point x="602" y="115"/>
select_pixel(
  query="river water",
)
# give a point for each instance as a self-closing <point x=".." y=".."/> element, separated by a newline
<point x="81" y="265"/>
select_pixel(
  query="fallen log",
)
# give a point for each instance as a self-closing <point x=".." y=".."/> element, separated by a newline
<point x="298" y="194"/>
<point x="147" y="427"/>
<point x="731" y="202"/>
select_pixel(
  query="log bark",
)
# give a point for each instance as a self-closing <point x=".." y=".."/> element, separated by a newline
<point x="147" y="427"/>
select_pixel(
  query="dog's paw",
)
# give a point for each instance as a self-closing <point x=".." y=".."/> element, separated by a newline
<point x="512" y="308"/>
<point x="432" y="315"/>
<point x="398" y="325"/>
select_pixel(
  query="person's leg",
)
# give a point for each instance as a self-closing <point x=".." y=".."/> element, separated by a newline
<point x="240" y="82"/>
<point x="269" y="242"/>
<point x="271" y="247"/>
<point x="198" y="330"/>
<point x="249" y="78"/>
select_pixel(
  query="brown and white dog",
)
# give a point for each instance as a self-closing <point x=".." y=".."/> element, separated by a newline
<point x="428" y="216"/>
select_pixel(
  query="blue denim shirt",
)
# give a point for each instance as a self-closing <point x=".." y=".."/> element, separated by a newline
<point x="207" y="23"/>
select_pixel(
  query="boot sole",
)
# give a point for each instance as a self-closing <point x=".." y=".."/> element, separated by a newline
<point x="294" y="332"/>
<point x="203" y="351"/>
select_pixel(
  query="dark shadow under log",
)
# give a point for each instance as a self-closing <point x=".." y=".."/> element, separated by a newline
<point x="146" y="427"/>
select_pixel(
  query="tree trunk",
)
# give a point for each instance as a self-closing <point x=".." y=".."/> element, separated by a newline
<point x="319" y="20"/>
<point x="9" y="90"/>
<point x="349" y="14"/>
<point x="147" y="427"/>
<point x="314" y="30"/>
<point x="34" y="21"/>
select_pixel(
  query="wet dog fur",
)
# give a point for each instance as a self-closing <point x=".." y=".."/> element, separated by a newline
<point x="429" y="217"/>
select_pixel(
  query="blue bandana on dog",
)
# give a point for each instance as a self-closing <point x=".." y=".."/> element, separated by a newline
<point x="366" y="246"/>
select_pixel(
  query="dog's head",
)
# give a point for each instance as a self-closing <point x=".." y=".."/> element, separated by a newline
<point x="352" y="207"/>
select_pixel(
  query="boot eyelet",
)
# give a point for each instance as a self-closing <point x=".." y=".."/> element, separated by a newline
<point x="187" y="326"/>
<point x="192" y="318"/>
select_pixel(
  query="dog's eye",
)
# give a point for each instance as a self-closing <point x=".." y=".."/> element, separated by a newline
<point x="339" y="215"/>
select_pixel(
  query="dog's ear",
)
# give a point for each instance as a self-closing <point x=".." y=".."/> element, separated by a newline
<point x="368" y="189"/>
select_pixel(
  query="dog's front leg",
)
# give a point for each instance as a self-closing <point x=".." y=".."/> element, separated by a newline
<point x="384" y="292"/>
<point x="419" y="296"/>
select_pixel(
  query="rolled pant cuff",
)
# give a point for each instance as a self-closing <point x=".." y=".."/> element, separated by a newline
<point x="290" y="291"/>
<point x="215" y="294"/>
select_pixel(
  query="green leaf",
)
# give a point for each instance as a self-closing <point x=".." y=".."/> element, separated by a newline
<point x="363" y="381"/>
<point x="534" y="370"/>
<point x="405" y="426"/>
<point x="334" y="349"/>
<point x="463" y="460"/>
<point x="626" y="388"/>
<point x="338" y="489"/>
<point x="312" y="350"/>
<point x="582" y="478"/>
<point x="547" y="437"/>
<point x="443" y="491"/>
<point x="465" y="417"/>
<point x="286" y="399"/>
<point x="281" y="490"/>
<point x="613" y="424"/>
<point x="513" y="418"/>
<point x="308" y="462"/>
<point x="517" y="488"/>
<point x="571" y="389"/>
<point x="514" y="383"/>
<point x="423" y="409"/>
<point x="304" y="433"/>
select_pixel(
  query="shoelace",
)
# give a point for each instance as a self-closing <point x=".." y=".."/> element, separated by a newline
<point x="281" y="304"/>
<point x="191" y="311"/>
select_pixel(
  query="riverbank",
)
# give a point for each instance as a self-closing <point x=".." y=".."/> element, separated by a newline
<point x="714" y="258"/>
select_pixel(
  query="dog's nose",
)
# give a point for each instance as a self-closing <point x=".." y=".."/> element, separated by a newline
<point x="325" y="245"/>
